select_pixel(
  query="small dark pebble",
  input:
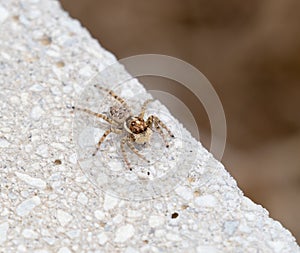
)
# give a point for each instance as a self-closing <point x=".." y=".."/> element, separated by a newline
<point x="174" y="215"/>
<point x="57" y="162"/>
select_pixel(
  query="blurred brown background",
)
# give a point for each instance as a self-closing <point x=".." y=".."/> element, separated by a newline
<point x="250" y="52"/>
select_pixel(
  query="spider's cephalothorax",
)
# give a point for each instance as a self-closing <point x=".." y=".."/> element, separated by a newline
<point x="137" y="129"/>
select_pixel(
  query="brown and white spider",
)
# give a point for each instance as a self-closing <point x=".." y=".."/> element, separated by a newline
<point x="137" y="129"/>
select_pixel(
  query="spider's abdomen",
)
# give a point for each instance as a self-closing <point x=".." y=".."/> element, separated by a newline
<point x="143" y="137"/>
<point x="118" y="113"/>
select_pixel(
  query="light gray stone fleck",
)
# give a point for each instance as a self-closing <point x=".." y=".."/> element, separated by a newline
<point x="124" y="233"/>
<point x="86" y="71"/>
<point x="22" y="248"/>
<point x="99" y="215"/>
<point x="173" y="237"/>
<point x="118" y="219"/>
<point x="42" y="150"/>
<point x="276" y="246"/>
<point x="82" y="198"/>
<point x="102" y="238"/>
<point x="32" y="181"/>
<point x="36" y="112"/>
<point x="3" y="231"/>
<point x="29" y="234"/>
<point x="27" y="206"/>
<point x="3" y="14"/>
<point x="206" y="201"/>
<point x="64" y="250"/>
<point x="63" y="217"/>
<point x="207" y="249"/>
<point x="36" y="87"/>
<point x="73" y="233"/>
<point x="131" y="250"/>
<point x="156" y="221"/>
<point x="73" y="158"/>
<point x="184" y="192"/>
<point x="50" y="240"/>
<point x="4" y="143"/>
<point x="40" y="251"/>
<point x="230" y="227"/>
<point x="110" y="202"/>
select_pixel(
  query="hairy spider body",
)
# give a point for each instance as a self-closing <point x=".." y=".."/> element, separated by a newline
<point x="137" y="129"/>
<point x="119" y="113"/>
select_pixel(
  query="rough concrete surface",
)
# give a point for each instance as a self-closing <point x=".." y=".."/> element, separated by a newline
<point x="49" y="205"/>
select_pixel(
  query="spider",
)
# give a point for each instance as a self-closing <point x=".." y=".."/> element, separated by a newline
<point x="138" y="130"/>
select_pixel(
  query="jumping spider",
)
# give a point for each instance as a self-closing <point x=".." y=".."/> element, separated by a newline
<point x="137" y="129"/>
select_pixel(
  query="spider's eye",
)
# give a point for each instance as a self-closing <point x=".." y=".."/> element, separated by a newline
<point x="133" y="123"/>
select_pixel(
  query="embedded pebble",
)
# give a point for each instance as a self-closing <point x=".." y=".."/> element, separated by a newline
<point x="42" y="150"/>
<point x="250" y="216"/>
<point x="63" y="217"/>
<point x="49" y="240"/>
<point x="41" y="251"/>
<point x="124" y="233"/>
<point x="102" y="238"/>
<point x="4" y="143"/>
<point x="131" y="250"/>
<point x="86" y="71"/>
<point x="64" y="250"/>
<point x="133" y="213"/>
<point x="36" y="113"/>
<point x="110" y="202"/>
<point x="73" y="234"/>
<point x="118" y="219"/>
<point x="184" y="192"/>
<point x="230" y="227"/>
<point x="3" y="14"/>
<point x="35" y="182"/>
<point x="207" y="249"/>
<point x="99" y="215"/>
<point x="36" y="87"/>
<point x="82" y="198"/>
<point x="29" y="234"/>
<point x="173" y="237"/>
<point x="73" y="158"/>
<point x="277" y="246"/>
<point x="27" y="206"/>
<point x="156" y="221"/>
<point x="21" y="248"/>
<point x="206" y="201"/>
<point x="3" y="231"/>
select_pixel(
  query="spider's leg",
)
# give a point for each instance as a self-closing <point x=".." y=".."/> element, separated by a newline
<point x="114" y="95"/>
<point x="123" y="142"/>
<point x="134" y="150"/>
<point x="98" y="115"/>
<point x="144" y="106"/>
<point x="153" y="118"/>
<point x="158" y="129"/>
<point x="106" y="133"/>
